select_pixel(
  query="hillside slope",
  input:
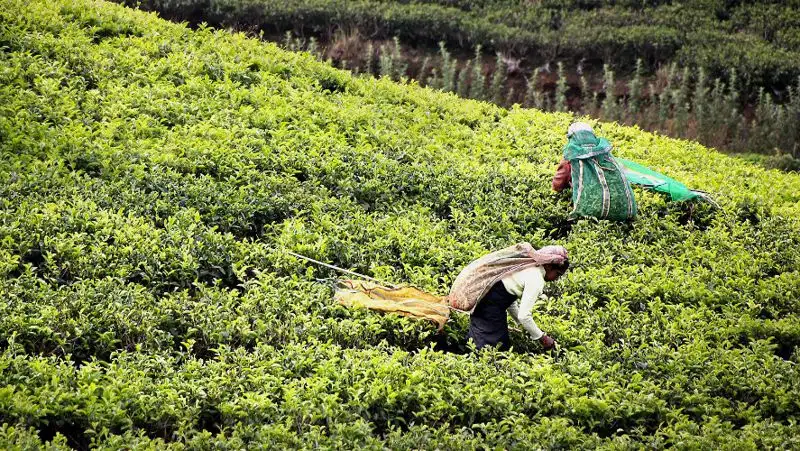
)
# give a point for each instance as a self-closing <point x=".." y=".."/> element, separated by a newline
<point x="760" y="39"/>
<point x="151" y="176"/>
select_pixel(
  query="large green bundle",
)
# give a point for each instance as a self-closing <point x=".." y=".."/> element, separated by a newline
<point x="645" y="177"/>
<point x="599" y="186"/>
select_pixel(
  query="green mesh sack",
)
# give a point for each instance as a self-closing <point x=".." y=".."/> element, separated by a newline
<point x="599" y="186"/>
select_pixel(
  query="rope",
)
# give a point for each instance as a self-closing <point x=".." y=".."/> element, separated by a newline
<point x="381" y="284"/>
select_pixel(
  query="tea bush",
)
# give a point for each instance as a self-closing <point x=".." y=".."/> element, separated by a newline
<point x="758" y="38"/>
<point x="737" y="91"/>
<point x="153" y="175"/>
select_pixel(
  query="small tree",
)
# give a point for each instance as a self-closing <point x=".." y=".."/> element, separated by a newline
<point x="510" y="96"/>
<point x="369" y="59"/>
<point x="588" y="97"/>
<point x="313" y="47"/>
<point x="463" y="79"/>
<point x="399" y="65"/>
<point x="681" y="103"/>
<point x="386" y="62"/>
<point x="700" y="104"/>
<point x="448" y="69"/>
<point x="665" y="99"/>
<point x="635" y="91"/>
<point x="422" y="77"/>
<point x="498" y="79"/>
<point x="610" y="102"/>
<point x="732" y="100"/>
<point x="793" y="117"/>
<point x="532" y="95"/>
<point x="477" y="87"/>
<point x="561" y="89"/>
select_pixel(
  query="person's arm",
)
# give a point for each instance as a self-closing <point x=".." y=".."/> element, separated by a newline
<point x="563" y="177"/>
<point x="521" y="310"/>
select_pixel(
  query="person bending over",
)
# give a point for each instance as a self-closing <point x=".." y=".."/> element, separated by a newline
<point x="510" y="280"/>
<point x="600" y="188"/>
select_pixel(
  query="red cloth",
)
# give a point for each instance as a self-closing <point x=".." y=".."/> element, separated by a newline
<point x="563" y="177"/>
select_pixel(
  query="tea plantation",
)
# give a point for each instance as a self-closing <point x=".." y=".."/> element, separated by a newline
<point x="152" y="177"/>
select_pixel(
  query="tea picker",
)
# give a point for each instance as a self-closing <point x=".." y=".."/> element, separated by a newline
<point x="601" y="183"/>
<point x="600" y="188"/>
<point x="511" y="279"/>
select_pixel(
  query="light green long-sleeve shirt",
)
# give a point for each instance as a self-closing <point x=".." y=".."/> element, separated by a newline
<point x="527" y="285"/>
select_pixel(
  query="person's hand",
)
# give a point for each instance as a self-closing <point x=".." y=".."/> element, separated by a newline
<point x="547" y="342"/>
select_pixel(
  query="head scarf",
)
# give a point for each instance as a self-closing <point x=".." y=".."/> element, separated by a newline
<point x="551" y="255"/>
<point x="579" y="127"/>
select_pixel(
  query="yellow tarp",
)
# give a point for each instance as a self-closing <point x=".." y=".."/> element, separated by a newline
<point x="407" y="301"/>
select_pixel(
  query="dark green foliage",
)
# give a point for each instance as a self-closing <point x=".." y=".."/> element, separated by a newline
<point x="723" y="123"/>
<point x="152" y="175"/>
<point x="713" y="38"/>
<point x="760" y="38"/>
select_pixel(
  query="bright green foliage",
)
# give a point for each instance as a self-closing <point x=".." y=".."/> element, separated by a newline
<point x="151" y="175"/>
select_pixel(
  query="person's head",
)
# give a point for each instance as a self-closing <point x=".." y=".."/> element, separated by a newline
<point x="554" y="271"/>
<point x="579" y="127"/>
<point x="554" y="259"/>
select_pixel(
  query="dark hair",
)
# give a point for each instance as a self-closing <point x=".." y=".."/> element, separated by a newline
<point x="564" y="266"/>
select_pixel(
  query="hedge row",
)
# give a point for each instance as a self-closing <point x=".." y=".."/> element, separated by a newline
<point x="152" y="176"/>
<point x="761" y="40"/>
